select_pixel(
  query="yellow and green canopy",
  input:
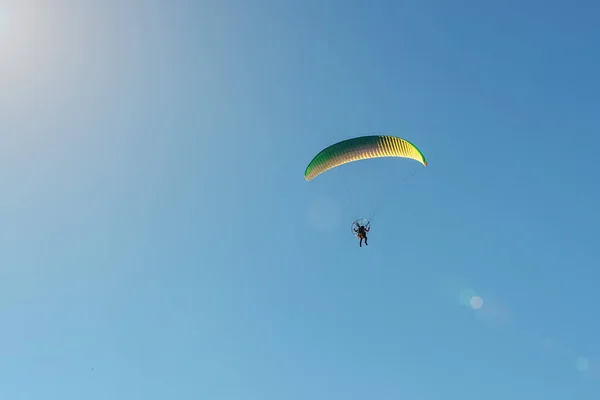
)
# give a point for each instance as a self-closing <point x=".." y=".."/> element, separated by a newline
<point x="362" y="148"/>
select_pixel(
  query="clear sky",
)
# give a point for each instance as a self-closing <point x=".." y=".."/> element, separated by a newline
<point x="159" y="241"/>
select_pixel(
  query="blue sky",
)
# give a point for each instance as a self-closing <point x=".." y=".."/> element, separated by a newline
<point x="159" y="240"/>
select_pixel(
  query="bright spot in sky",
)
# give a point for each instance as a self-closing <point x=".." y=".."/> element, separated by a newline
<point x="470" y="299"/>
<point x="582" y="364"/>
<point x="476" y="302"/>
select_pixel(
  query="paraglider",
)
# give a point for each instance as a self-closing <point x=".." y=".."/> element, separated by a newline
<point x="361" y="148"/>
<point x="360" y="227"/>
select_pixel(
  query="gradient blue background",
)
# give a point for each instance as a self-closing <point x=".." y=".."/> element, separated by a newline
<point x="159" y="241"/>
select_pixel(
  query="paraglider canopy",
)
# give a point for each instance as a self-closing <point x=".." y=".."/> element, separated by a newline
<point x="361" y="148"/>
